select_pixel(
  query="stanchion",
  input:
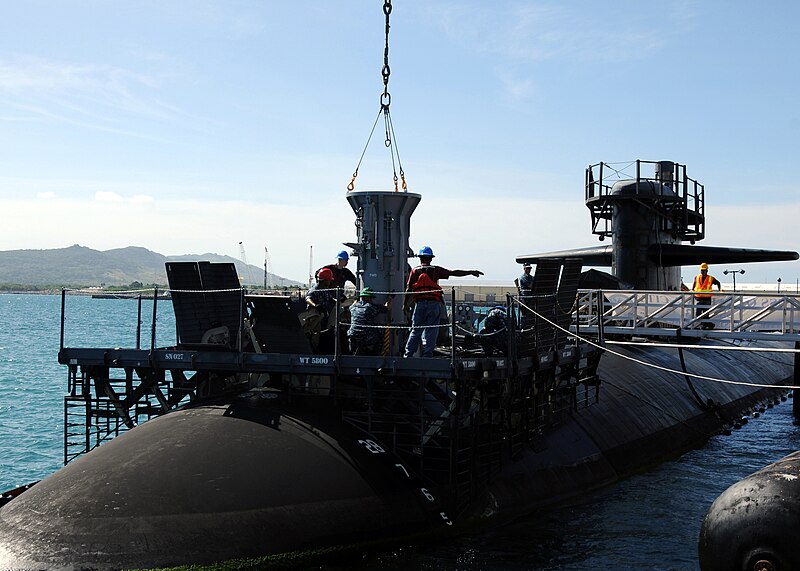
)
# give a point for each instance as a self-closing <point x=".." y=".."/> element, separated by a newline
<point x="796" y="383"/>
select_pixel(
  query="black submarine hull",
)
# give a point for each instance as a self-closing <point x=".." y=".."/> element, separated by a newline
<point x="643" y="417"/>
<point x="208" y="484"/>
<point x="251" y="478"/>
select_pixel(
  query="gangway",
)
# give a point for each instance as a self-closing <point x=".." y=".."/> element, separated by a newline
<point x="739" y="315"/>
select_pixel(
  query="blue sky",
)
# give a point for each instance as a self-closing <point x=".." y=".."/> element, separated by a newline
<point x="187" y="127"/>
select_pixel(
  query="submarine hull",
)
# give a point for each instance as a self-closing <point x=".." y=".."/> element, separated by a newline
<point x="250" y="478"/>
<point x="205" y="485"/>
<point x="643" y="417"/>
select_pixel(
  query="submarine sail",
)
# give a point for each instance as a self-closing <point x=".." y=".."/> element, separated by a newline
<point x="647" y="217"/>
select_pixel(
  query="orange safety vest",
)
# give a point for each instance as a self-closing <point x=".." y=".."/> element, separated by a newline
<point x="703" y="286"/>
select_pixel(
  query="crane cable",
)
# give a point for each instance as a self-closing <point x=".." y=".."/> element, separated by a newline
<point x="390" y="141"/>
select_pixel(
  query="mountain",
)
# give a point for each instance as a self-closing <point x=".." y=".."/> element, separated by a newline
<point x="82" y="266"/>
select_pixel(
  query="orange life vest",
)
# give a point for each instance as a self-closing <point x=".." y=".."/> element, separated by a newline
<point x="425" y="287"/>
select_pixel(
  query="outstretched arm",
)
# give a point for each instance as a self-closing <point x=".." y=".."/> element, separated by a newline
<point x="461" y="273"/>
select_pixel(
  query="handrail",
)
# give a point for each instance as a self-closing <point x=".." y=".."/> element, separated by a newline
<point x="732" y="312"/>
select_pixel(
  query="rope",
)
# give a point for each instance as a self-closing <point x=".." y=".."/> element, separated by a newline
<point x="481" y="334"/>
<point x="395" y="326"/>
<point x="151" y="291"/>
<point x="654" y="366"/>
<point x="113" y="292"/>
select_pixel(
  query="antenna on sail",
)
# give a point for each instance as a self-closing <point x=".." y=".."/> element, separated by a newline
<point x="390" y="141"/>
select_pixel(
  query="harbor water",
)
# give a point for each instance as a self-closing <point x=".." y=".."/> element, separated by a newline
<point x="649" y="521"/>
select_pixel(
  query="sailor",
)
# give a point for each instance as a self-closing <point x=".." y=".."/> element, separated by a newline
<point x="525" y="281"/>
<point x="424" y="292"/>
<point x="364" y="337"/>
<point x="341" y="274"/>
<point x="702" y="285"/>
<point x="320" y="296"/>
<point x="494" y="335"/>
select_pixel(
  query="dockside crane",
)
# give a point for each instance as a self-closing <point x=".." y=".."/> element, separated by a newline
<point x="243" y="258"/>
<point x="267" y="269"/>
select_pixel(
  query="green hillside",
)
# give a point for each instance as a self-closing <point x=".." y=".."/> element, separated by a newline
<point x="81" y="266"/>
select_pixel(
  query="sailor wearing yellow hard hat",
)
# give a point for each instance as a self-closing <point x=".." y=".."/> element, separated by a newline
<point x="703" y="282"/>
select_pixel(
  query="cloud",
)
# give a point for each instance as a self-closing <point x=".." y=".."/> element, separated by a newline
<point x="539" y="32"/>
<point x="91" y="95"/>
<point x="45" y="195"/>
<point x="105" y="196"/>
<point x="517" y="87"/>
<point x="114" y="197"/>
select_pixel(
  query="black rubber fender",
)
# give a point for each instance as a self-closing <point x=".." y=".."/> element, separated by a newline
<point x="754" y="525"/>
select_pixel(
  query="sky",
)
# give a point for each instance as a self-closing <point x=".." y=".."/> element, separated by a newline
<point x="191" y="126"/>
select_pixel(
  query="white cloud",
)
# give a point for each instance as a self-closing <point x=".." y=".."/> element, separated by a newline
<point x="45" y="195"/>
<point x="537" y="32"/>
<point x="90" y="95"/>
<point x="114" y="197"/>
<point x="517" y="87"/>
<point x="105" y="196"/>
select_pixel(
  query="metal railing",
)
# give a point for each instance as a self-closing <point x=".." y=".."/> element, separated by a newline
<point x="679" y="197"/>
<point x="741" y="315"/>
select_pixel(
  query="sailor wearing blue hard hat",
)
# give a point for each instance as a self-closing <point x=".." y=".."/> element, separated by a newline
<point x="341" y="274"/>
<point x="424" y="291"/>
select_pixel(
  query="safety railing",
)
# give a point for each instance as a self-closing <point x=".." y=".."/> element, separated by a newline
<point x="679" y="198"/>
<point x="740" y="313"/>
